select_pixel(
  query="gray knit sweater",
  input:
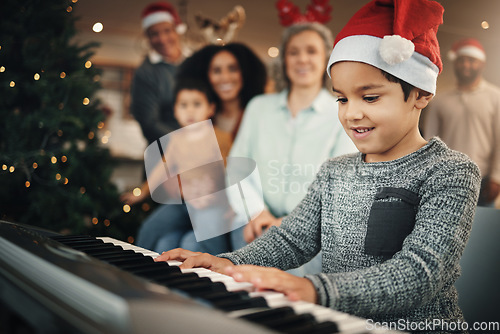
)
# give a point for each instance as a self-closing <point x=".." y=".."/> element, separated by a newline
<point x="392" y="234"/>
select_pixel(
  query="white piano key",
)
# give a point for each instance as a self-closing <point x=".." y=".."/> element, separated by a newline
<point x="347" y="323"/>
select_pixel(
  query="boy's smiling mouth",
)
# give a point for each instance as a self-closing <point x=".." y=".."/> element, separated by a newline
<point x="361" y="132"/>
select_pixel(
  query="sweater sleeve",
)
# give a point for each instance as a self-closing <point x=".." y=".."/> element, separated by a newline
<point x="295" y="241"/>
<point x="428" y="261"/>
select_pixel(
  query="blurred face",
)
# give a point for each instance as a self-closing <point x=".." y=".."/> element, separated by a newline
<point x="373" y="111"/>
<point x="165" y="40"/>
<point x="191" y="107"/>
<point x="467" y="69"/>
<point x="225" y="76"/>
<point x="305" y="59"/>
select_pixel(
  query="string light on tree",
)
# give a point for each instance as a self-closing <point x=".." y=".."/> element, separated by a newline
<point x="485" y="25"/>
<point x="12" y="84"/>
<point x="2" y="69"/>
<point x="36" y="76"/>
<point x="126" y="208"/>
<point x="86" y="101"/>
<point x="88" y="64"/>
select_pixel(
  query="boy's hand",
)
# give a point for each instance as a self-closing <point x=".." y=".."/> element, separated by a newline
<point x="191" y="259"/>
<point x="256" y="226"/>
<point x="294" y="287"/>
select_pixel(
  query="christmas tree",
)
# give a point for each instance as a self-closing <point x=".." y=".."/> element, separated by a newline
<point x="53" y="171"/>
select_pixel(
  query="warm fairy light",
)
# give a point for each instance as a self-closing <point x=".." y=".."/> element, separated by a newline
<point x="107" y="222"/>
<point x="107" y="133"/>
<point x="12" y="169"/>
<point x="137" y="192"/>
<point x="145" y="207"/>
<point x="75" y="1"/>
<point x="100" y="125"/>
<point x="53" y="160"/>
<point x="273" y="52"/>
<point x="12" y="84"/>
<point x="88" y="64"/>
<point x="69" y="9"/>
<point x="2" y="69"/>
<point x="97" y="78"/>
<point x="59" y="133"/>
<point x="27" y="184"/>
<point x="95" y="221"/>
<point x="62" y="75"/>
<point x="91" y="135"/>
<point x="130" y="239"/>
<point x="485" y="25"/>
<point x="35" y="165"/>
<point x="64" y="158"/>
<point x="61" y="106"/>
<point x="126" y="208"/>
<point x="58" y="176"/>
<point x="4" y="167"/>
<point x="66" y="180"/>
<point x="82" y="190"/>
<point x="97" y="27"/>
<point x="36" y="76"/>
<point x="104" y="139"/>
<point x="86" y="101"/>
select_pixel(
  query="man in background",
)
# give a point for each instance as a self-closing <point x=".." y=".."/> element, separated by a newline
<point x="467" y="118"/>
<point x="153" y="82"/>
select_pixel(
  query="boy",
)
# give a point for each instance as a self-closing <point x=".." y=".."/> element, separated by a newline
<point x="392" y="221"/>
<point x="194" y="158"/>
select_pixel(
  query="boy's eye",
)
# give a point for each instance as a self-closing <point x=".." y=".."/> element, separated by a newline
<point x="342" y="100"/>
<point x="371" y="98"/>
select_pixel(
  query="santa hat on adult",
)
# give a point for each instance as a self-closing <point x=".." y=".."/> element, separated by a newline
<point x="470" y="47"/>
<point x="397" y="36"/>
<point x="162" y="12"/>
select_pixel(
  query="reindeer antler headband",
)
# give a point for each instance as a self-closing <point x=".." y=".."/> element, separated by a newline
<point x="317" y="11"/>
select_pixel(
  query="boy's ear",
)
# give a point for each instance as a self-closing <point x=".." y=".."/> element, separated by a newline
<point x="423" y="99"/>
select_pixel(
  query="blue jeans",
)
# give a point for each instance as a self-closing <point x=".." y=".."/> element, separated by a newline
<point x="169" y="227"/>
<point x="312" y="267"/>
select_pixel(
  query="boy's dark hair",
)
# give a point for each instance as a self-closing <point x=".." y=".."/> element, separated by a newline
<point x="194" y="84"/>
<point x="407" y="88"/>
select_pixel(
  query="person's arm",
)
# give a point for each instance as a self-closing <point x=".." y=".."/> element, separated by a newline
<point x="243" y="146"/>
<point x="427" y="260"/>
<point x="145" y="106"/>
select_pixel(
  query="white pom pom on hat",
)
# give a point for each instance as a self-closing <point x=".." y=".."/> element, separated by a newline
<point x="397" y="36"/>
<point x="394" y="49"/>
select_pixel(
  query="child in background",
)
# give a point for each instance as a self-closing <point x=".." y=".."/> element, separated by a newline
<point x="391" y="221"/>
<point x="187" y="151"/>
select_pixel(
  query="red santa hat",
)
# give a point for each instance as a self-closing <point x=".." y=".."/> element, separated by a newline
<point x="397" y="36"/>
<point x="162" y="12"/>
<point x="470" y="47"/>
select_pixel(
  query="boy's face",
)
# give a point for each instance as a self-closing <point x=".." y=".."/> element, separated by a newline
<point x="374" y="113"/>
<point x="192" y="106"/>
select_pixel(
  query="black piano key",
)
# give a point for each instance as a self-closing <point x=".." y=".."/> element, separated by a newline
<point x="74" y="243"/>
<point x="96" y="248"/>
<point x="268" y="314"/>
<point x="168" y="280"/>
<point x="129" y="260"/>
<point x="324" y="327"/>
<point x="155" y="270"/>
<point x="223" y="295"/>
<point x="194" y="290"/>
<point x="71" y="237"/>
<point x="243" y="303"/>
<point x="288" y="322"/>
<point x="115" y="255"/>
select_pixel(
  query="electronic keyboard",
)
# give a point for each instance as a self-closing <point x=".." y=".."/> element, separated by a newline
<point x="50" y="283"/>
